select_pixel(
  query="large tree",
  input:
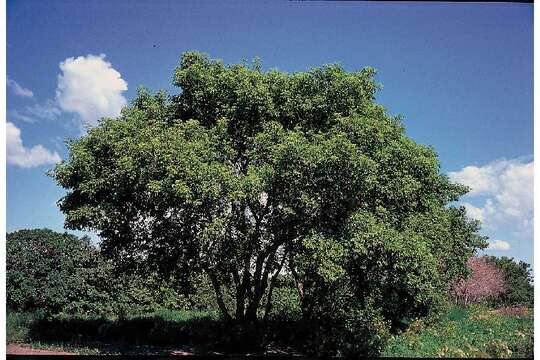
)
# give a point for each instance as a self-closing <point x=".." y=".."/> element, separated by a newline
<point x="248" y="173"/>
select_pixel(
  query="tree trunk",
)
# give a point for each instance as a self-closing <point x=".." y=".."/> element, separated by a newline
<point x="299" y="284"/>
<point x="268" y="306"/>
<point x="242" y="289"/>
<point x="260" y="283"/>
<point x="219" y="296"/>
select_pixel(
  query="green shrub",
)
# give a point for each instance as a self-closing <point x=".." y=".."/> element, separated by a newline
<point x="55" y="273"/>
<point x="369" y="281"/>
<point x="62" y="274"/>
<point x="137" y="293"/>
<point x="350" y="332"/>
<point x="164" y="327"/>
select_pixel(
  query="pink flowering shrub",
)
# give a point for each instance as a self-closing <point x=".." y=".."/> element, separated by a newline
<point x="485" y="281"/>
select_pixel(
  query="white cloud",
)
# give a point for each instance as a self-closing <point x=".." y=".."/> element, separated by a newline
<point x="480" y="213"/>
<point x="21" y="156"/>
<point x="507" y="188"/>
<point x="474" y="212"/>
<point x="499" y="245"/>
<point x="90" y="87"/>
<point x="18" y="89"/>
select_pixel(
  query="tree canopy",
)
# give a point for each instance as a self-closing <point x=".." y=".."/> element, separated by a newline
<point x="247" y="173"/>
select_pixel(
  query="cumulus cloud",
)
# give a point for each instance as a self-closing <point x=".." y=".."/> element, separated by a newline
<point x="19" y="155"/>
<point x="499" y="245"/>
<point x="18" y="89"/>
<point x="506" y="187"/>
<point x="483" y="213"/>
<point x="90" y="87"/>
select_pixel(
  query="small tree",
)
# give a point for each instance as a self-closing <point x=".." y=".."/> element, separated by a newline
<point x="519" y="290"/>
<point x="486" y="281"/>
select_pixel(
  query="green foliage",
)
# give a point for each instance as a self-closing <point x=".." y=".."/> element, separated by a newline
<point x="247" y="173"/>
<point x="285" y="302"/>
<point x="136" y="293"/>
<point x="376" y="278"/>
<point x="519" y="282"/>
<point x="466" y="332"/>
<point x="55" y="273"/>
<point x="18" y="325"/>
<point x="365" y="282"/>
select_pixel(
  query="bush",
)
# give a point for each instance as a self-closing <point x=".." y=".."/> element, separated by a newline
<point x="137" y="293"/>
<point x="347" y="331"/>
<point x="55" y="273"/>
<point x="62" y="274"/>
<point x="18" y="325"/>
<point x="164" y="327"/>
<point x="495" y="281"/>
<point x="364" y="284"/>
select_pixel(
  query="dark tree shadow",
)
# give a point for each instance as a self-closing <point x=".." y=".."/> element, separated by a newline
<point x="157" y="336"/>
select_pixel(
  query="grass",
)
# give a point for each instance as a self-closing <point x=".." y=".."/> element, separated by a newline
<point x="164" y="329"/>
<point x="80" y="349"/>
<point x="475" y="331"/>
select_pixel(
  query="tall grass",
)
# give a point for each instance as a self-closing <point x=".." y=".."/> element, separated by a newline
<point x="183" y="315"/>
<point x="466" y="332"/>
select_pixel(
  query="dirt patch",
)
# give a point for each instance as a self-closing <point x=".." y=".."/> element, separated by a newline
<point x="21" y="349"/>
<point x="513" y="311"/>
<point x="148" y="350"/>
<point x="24" y="349"/>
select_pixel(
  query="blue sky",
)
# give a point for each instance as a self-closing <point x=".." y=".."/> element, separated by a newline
<point x="460" y="74"/>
